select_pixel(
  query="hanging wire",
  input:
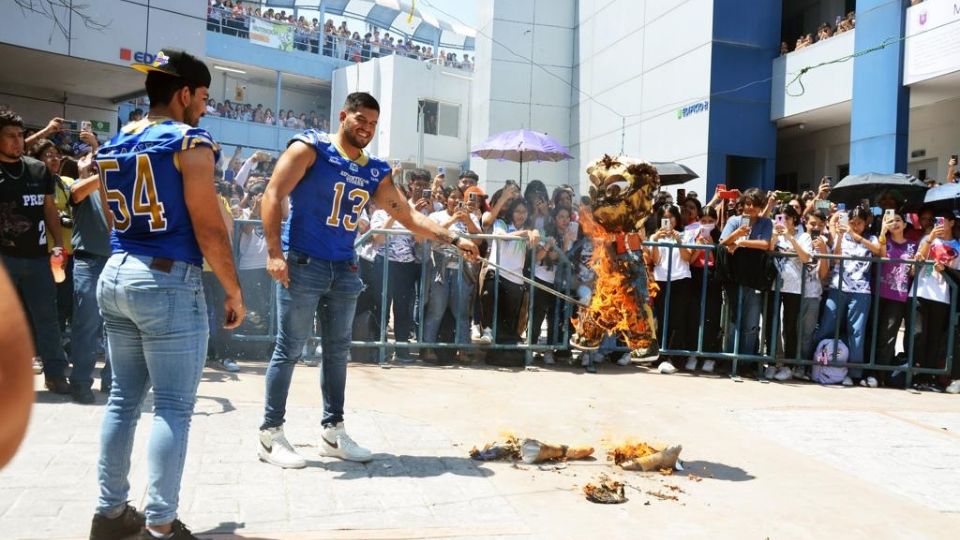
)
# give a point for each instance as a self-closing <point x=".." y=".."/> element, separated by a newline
<point x="667" y="108"/>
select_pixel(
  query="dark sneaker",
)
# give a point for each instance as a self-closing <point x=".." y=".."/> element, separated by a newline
<point x="57" y="385"/>
<point x="178" y="531"/>
<point x="129" y="523"/>
<point x="82" y="395"/>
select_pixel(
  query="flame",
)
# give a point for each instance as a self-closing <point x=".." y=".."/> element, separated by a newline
<point x="628" y="451"/>
<point x="615" y="305"/>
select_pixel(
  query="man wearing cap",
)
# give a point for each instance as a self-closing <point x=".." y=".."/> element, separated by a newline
<point x="158" y="175"/>
<point x="329" y="179"/>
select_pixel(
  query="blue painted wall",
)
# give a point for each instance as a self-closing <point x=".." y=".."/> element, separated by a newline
<point x="240" y="50"/>
<point x="881" y="104"/>
<point x="746" y="39"/>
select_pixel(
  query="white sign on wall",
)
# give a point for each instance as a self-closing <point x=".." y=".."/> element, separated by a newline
<point x="933" y="40"/>
<point x="271" y="34"/>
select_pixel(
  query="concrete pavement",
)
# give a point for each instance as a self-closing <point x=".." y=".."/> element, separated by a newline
<point x="762" y="460"/>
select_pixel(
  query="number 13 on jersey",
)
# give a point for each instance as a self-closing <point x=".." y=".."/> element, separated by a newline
<point x="350" y="221"/>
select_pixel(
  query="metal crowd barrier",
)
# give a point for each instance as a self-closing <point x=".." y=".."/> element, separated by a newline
<point x="768" y="333"/>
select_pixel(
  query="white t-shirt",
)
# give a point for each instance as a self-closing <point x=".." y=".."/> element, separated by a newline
<point x="670" y="259"/>
<point x="932" y="285"/>
<point x="856" y="274"/>
<point x="790" y="268"/>
<point x="252" y="247"/>
<point x="509" y="254"/>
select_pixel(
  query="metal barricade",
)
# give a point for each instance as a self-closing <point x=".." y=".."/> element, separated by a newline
<point x="731" y="318"/>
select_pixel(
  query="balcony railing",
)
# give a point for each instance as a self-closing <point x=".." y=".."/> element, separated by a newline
<point x="317" y="40"/>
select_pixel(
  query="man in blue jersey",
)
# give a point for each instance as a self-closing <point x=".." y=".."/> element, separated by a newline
<point x="158" y="174"/>
<point x="329" y="179"/>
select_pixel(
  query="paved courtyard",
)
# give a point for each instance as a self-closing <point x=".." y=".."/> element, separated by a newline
<point x="762" y="460"/>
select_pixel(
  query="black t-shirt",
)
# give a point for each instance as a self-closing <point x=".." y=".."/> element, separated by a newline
<point x="23" y="186"/>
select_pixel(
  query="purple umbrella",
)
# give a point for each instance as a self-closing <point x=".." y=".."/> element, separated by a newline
<point x="519" y="145"/>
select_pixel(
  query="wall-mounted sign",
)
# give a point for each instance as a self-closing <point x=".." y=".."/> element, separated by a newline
<point x="140" y="57"/>
<point x="270" y="34"/>
<point x="696" y="108"/>
<point x="932" y="46"/>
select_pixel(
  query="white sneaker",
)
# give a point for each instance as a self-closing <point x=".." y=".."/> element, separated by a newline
<point x="783" y="374"/>
<point x="708" y="365"/>
<point x="487" y="337"/>
<point x="335" y="442"/>
<point x="37" y="365"/>
<point x="953" y="387"/>
<point x="229" y="364"/>
<point x="548" y="358"/>
<point x="624" y="360"/>
<point x="691" y="364"/>
<point x="870" y="382"/>
<point x="847" y="381"/>
<point x="475" y="332"/>
<point x="799" y="372"/>
<point x="276" y="450"/>
<point x="666" y="368"/>
<point x="318" y="351"/>
<point x="769" y="372"/>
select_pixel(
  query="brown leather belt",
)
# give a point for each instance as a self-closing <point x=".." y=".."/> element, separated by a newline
<point x="162" y="265"/>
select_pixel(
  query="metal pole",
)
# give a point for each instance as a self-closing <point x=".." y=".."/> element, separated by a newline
<point x="277" y="109"/>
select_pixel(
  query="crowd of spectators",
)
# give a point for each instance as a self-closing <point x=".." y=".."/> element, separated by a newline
<point x="265" y="115"/>
<point x="233" y="18"/>
<point x="760" y="255"/>
<point x="824" y="31"/>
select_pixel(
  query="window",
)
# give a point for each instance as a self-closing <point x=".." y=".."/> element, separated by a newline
<point x="440" y="118"/>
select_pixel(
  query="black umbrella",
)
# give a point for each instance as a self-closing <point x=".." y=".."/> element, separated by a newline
<point x="857" y="187"/>
<point x="945" y="197"/>
<point x="673" y="173"/>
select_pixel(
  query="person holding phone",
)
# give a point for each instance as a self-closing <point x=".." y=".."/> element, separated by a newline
<point x="796" y="272"/>
<point x="849" y="299"/>
<point x="702" y="264"/>
<point x="750" y="232"/>
<point x="446" y="289"/>
<point x="671" y="264"/>
<point x="941" y="248"/>
<point x="895" y="284"/>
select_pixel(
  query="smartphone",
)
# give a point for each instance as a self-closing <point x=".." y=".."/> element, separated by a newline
<point x="781" y="219"/>
<point x="473" y="197"/>
<point x="876" y="210"/>
<point x="888" y="213"/>
<point x="721" y="187"/>
<point x="86" y="125"/>
<point x="940" y="221"/>
<point x="844" y="218"/>
<point x="783" y="196"/>
<point x="681" y="195"/>
<point x="665" y="224"/>
<point x="70" y="125"/>
<point x="954" y="157"/>
<point x="814" y="234"/>
<point x="442" y="171"/>
<point x="829" y="180"/>
<point x="821" y="204"/>
<point x="427" y="193"/>
<point x="459" y="205"/>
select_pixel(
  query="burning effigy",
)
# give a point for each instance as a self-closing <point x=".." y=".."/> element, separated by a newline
<point x="621" y="193"/>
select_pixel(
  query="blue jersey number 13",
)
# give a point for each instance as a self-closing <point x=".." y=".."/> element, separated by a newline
<point x="358" y="196"/>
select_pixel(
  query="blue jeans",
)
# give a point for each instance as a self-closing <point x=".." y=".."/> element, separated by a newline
<point x="448" y="292"/>
<point x="87" y="323"/>
<point x="335" y="285"/>
<point x="749" y="329"/>
<point x="34" y="284"/>
<point x="157" y="336"/>
<point x="852" y="307"/>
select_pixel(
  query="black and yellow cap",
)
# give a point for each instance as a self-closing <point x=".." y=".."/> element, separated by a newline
<point x="178" y="63"/>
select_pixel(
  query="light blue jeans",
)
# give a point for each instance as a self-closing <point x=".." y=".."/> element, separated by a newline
<point x="448" y="293"/>
<point x="157" y="336"/>
<point x="335" y="286"/>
